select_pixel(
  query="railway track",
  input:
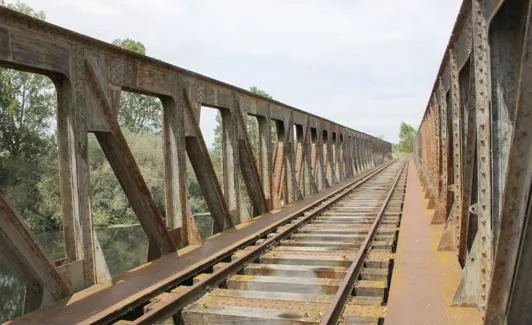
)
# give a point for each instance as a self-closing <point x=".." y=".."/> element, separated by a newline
<point x="330" y="265"/>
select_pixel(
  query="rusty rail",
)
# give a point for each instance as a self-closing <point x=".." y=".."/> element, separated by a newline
<point x="309" y="154"/>
<point x="348" y="283"/>
<point x="186" y="297"/>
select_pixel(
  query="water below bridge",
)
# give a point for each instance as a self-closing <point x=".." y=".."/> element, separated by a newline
<point x="124" y="248"/>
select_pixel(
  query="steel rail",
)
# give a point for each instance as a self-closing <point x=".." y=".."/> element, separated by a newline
<point x="194" y="292"/>
<point x="110" y="317"/>
<point x="338" y="302"/>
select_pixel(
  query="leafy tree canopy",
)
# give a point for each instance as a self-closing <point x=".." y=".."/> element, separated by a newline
<point x="407" y="134"/>
<point x="24" y="9"/>
<point x="260" y="92"/>
<point x="130" y="44"/>
<point x="28" y="150"/>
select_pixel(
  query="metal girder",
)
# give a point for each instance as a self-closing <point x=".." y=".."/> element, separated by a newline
<point x="19" y="248"/>
<point x="489" y="151"/>
<point x="90" y="75"/>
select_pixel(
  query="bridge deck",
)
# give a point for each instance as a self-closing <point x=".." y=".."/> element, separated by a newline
<point x="102" y="301"/>
<point x="424" y="279"/>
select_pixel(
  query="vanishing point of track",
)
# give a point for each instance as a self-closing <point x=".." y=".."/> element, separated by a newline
<point x="328" y="264"/>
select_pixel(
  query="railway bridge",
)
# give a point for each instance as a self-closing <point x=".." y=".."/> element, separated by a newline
<point x="340" y="230"/>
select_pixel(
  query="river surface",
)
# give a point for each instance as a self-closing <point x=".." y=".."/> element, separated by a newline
<point x="123" y="247"/>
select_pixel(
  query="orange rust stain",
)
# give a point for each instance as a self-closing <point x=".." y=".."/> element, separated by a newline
<point x="325" y="272"/>
<point x="288" y="315"/>
<point x="264" y="270"/>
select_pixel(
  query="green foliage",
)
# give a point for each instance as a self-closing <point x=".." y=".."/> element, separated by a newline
<point x="407" y="134"/>
<point x="49" y="188"/>
<point x="260" y="92"/>
<point x="131" y="45"/>
<point x="216" y="152"/>
<point x="139" y="113"/>
<point x="28" y="104"/>
<point x="108" y="201"/>
<point x="252" y="127"/>
<point x="27" y="142"/>
<point x="24" y="8"/>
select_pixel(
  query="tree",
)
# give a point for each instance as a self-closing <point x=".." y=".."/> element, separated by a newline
<point x="407" y="134"/>
<point x="130" y="44"/>
<point x="28" y="109"/>
<point x="138" y="113"/>
<point x="109" y="204"/>
<point x="24" y="9"/>
<point x="28" y="148"/>
<point x="28" y="105"/>
<point x="216" y="152"/>
<point x="260" y="92"/>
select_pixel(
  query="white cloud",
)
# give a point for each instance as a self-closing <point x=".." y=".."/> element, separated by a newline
<point x="365" y="64"/>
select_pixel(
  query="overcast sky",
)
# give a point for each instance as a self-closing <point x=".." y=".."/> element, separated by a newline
<point x="365" y="64"/>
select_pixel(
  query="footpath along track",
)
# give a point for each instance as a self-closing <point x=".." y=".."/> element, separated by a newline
<point x="330" y="265"/>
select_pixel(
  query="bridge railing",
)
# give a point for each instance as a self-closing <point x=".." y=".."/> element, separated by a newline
<point x="473" y="153"/>
<point x="309" y="154"/>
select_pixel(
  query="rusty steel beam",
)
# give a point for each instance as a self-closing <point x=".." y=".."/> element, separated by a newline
<point x="204" y="170"/>
<point x="278" y="165"/>
<point x="19" y="249"/>
<point x="509" y="296"/>
<point x="265" y="158"/>
<point x="443" y="211"/>
<point x="90" y="76"/>
<point x="121" y="158"/>
<point x="468" y="157"/>
<point x="178" y="214"/>
<point x="487" y="150"/>
<point x="249" y="168"/>
<point x="450" y="237"/>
